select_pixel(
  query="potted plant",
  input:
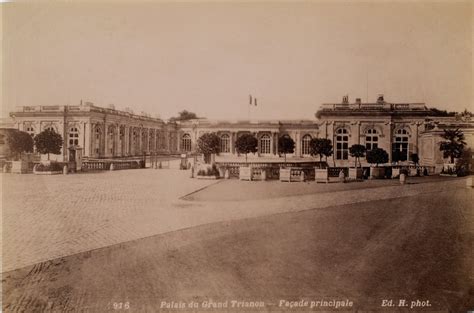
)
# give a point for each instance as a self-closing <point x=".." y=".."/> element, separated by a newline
<point x="285" y="145"/>
<point x="207" y="171"/>
<point x="18" y="143"/>
<point x="357" y="152"/>
<point x="377" y="156"/>
<point x="321" y="147"/>
<point x="246" y="143"/>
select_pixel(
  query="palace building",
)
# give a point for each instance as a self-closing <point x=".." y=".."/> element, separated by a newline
<point x="401" y="129"/>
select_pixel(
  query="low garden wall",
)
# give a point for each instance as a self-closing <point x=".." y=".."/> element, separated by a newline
<point x="106" y="165"/>
<point x="272" y="170"/>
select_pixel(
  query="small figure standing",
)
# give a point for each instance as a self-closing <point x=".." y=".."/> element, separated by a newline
<point x="342" y="177"/>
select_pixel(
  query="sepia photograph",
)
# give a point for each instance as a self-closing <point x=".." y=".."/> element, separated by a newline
<point x="237" y="156"/>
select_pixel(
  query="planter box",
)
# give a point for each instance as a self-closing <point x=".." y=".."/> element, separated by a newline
<point x="285" y="174"/>
<point x="19" y="167"/>
<point x="321" y="175"/>
<point x="206" y="177"/>
<point x="377" y="172"/>
<point x="355" y="173"/>
<point x="48" y="173"/>
<point x="395" y="172"/>
<point x="245" y="173"/>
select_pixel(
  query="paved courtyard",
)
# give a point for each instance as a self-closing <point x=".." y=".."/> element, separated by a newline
<point x="416" y="244"/>
<point x="46" y="217"/>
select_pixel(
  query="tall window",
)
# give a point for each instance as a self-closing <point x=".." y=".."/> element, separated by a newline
<point x="186" y="143"/>
<point x="265" y="144"/>
<point x="371" y="139"/>
<point x="136" y="141"/>
<point x="98" y="133"/>
<point x="400" y="145"/>
<point x="305" y="144"/>
<point x="73" y="136"/>
<point x="110" y="140"/>
<point x="342" y="144"/>
<point x="151" y="138"/>
<point x="225" y="143"/>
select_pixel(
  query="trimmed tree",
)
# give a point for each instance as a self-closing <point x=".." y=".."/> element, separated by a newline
<point x="184" y="116"/>
<point x="415" y="158"/>
<point x="48" y="141"/>
<point x="208" y="144"/>
<point x="321" y="147"/>
<point x="357" y="151"/>
<point x="19" y="142"/>
<point x="286" y="145"/>
<point x="377" y="156"/>
<point x="453" y="145"/>
<point x="246" y="143"/>
<point x="464" y="163"/>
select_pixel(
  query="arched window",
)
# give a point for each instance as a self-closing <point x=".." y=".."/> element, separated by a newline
<point x="186" y="143"/>
<point x="342" y="144"/>
<point x="400" y="145"/>
<point x="305" y="144"/>
<point x="73" y="136"/>
<point x="225" y="143"/>
<point x="371" y="139"/>
<point x="30" y="130"/>
<point x="265" y="144"/>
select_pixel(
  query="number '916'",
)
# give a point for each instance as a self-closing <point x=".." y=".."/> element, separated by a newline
<point x="121" y="305"/>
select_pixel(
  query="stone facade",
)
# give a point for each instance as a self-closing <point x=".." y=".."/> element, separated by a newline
<point x="401" y="129"/>
<point x="101" y="132"/>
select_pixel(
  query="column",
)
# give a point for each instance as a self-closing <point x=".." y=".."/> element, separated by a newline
<point x="297" y="144"/>
<point x="358" y="133"/>
<point x="233" y="137"/>
<point x="106" y="150"/>
<point x="93" y="139"/>
<point x="87" y="138"/>
<point x="140" y="141"/>
<point x="126" y="139"/>
<point x="118" y="149"/>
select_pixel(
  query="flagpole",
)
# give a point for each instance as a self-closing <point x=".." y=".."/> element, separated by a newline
<point x="248" y="108"/>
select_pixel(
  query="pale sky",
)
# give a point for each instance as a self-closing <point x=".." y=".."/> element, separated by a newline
<point x="208" y="57"/>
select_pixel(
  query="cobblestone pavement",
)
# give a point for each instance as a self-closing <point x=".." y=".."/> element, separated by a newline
<point x="46" y="217"/>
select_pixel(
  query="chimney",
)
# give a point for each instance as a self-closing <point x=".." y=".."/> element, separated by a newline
<point x="358" y="101"/>
<point x="380" y="98"/>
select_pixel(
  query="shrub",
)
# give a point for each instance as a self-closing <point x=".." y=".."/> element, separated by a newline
<point x="19" y="142"/>
<point x="52" y="167"/>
